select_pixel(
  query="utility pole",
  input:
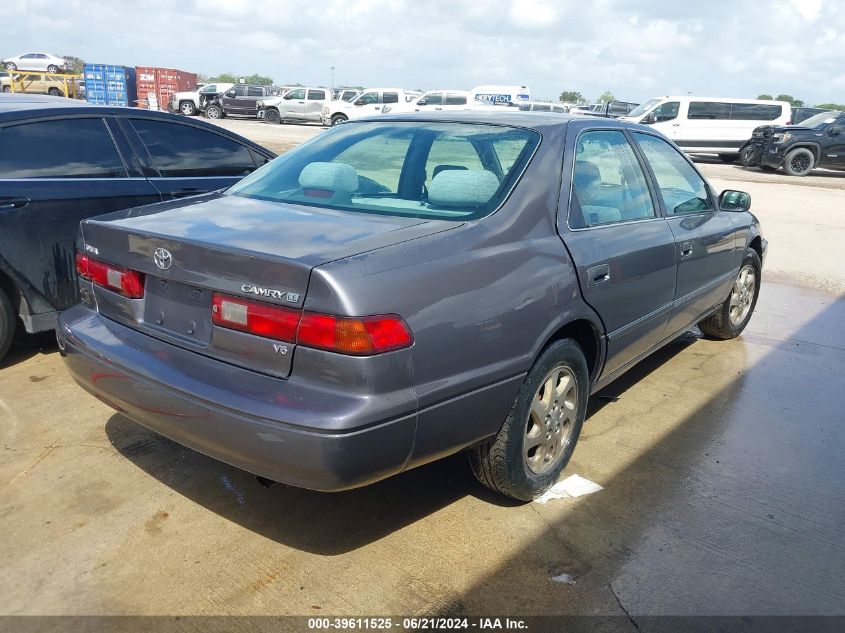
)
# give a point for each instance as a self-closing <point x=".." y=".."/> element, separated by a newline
<point x="332" y="78"/>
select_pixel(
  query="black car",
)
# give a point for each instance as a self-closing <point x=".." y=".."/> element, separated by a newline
<point x="241" y="99"/>
<point x="62" y="161"/>
<point x="816" y="142"/>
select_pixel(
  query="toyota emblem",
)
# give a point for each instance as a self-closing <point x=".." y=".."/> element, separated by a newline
<point x="162" y="258"/>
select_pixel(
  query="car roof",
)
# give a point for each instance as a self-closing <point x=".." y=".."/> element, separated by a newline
<point x="508" y="116"/>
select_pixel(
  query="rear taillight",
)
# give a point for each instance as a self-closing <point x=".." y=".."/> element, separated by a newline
<point x="255" y="317"/>
<point x="129" y="283"/>
<point x="344" y="335"/>
<point x="367" y="335"/>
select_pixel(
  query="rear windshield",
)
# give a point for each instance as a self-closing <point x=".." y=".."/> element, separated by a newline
<point x="421" y="169"/>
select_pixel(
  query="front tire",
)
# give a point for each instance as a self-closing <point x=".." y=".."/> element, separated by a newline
<point x="272" y="116"/>
<point x="54" y="92"/>
<point x="214" y="112"/>
<point x="539" y="435"/>
<point x="7" y="324"/>
<point x="337" y="119"/>
<point x="799" y="162"/>
<point x="11" y="66"/>
<point x="735" y="313"/>
<point x="187" y="108"/>
<point x="52" y="69"/>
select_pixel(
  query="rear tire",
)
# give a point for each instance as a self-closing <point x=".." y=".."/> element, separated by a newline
<point x="337" y="119"/>
<point x="52" y="69"/>
<point x="187" y="108"/>
<point x="11" y="66"/>
<point x="799" y="162"/>
<point x="7" y="89"/>
<point x="272" y="116"/>
<point x="7" y="324"/>
<point x="735" y="313"/>
<point x="55" y="92"/>
<point x="539" y="435"/>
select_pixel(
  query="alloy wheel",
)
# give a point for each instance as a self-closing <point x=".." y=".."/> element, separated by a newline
<point x="800" y="163"/>
<point x="742" y="294"/>
<point x="551" y="421"/>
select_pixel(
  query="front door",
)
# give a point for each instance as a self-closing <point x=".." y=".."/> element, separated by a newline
<point x="705" y="236"/>
<point x="623" y="249"/>
<point x="293" y="103"/>
<point x="833" y="152"/>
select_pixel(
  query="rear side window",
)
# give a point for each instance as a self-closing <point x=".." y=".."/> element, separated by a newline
<point x="185" y="151"/>
<point x="390" y="97"/>
<point x="608" y="184"/>
<point x="317" y="95"/>
<point x="253" y="91"/>
<point x="709" y="110"/>
<point x="453" y="99"/>
<point x="755" y="111"/>
<point x="71" y="148"/>
<point x="682" y="189"/>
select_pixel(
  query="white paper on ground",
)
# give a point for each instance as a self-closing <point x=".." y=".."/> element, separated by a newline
<point x="572" y="486"/>
<point x="564" y="578"/>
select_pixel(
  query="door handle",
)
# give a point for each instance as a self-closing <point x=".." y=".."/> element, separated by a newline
<point x="686" y="249"/>
<point x="13" y="203"/>
<point x="181" y="193"/>
<point x="676" y="125"/>
<point x="438" y="108"/>
<point x="598" y="274"/>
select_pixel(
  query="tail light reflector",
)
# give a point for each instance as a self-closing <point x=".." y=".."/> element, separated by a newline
<point x="357" y="336"/>
<point x="129" y="283"/>
<point x="255" y="317"/>
<point x="344" y="335"/>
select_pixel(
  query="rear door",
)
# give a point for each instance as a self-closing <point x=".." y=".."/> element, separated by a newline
<point x="314" y="101"/>
<point x="705" y="237"/>
<point x="182" y="159"/>
<point x="621" y="245"/>
<point x="455" y="101"/>
<point x="54" y="173"/>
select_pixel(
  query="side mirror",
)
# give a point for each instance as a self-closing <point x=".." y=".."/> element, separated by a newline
<point x="230" y="93"/>
<point x="422" y="102"/>
<point x="731" y="200"/>
<point x="837" y="130"/>
<point x="359" y="101"/>
<point x="650" y="118"/>
<point x="287" y="97"/>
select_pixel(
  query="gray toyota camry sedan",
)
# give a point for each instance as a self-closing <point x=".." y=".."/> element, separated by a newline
<point x="402" y="288"/>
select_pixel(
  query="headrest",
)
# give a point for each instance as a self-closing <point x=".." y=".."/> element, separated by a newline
<point x="463" y="187"/>
<point x="337" y="177"/>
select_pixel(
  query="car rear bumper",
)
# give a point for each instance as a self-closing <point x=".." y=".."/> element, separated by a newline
<point x="242" y="419"/>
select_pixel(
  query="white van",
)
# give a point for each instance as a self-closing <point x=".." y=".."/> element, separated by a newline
<point x="709" y="125"/>
<point x="501" y="95"/>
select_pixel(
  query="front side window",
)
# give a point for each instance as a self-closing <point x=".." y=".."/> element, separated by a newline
<point x="240" y="91"/>
<point x="682" y="189"/>
<point x="434" y="98"/>
<point x="666" y="111"/>
<point x="297" y="93"/>
<point x="418" y="169"/>
<point x="212" y="88"/>
<point x="608" y="184"/>
<point x="185" y="151"/>
<point x="367" y="98"/>
<point x="72" y="148"/>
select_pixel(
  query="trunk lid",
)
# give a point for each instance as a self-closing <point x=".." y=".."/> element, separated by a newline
<point x="260" y="250"/>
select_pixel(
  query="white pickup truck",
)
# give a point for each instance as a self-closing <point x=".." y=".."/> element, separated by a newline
<point x="188" y="103"/>
<point x="368" y="103"/>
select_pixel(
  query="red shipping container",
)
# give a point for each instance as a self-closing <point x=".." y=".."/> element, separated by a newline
<point x="155" y="85"/>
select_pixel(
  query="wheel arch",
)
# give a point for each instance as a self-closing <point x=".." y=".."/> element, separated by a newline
<point x="813" y="147"/>
<point x="587" y="334"/>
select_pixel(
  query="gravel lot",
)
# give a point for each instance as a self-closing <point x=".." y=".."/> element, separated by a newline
<point x="721" y="463"/>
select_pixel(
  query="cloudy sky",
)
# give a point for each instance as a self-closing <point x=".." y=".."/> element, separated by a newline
<point x="634" y="48"/>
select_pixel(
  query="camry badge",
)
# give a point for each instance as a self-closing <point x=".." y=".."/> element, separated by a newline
<point x="162" y="258"/>
<point x="272" y="293"/>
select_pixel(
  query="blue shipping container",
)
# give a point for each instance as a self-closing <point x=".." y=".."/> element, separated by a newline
<point x="106" y="84"/>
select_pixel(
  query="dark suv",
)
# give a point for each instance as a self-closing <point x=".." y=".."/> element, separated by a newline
<point x="241" y="99"/>
<point x="62" y="161"/>
<point x="816" y="142"/>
